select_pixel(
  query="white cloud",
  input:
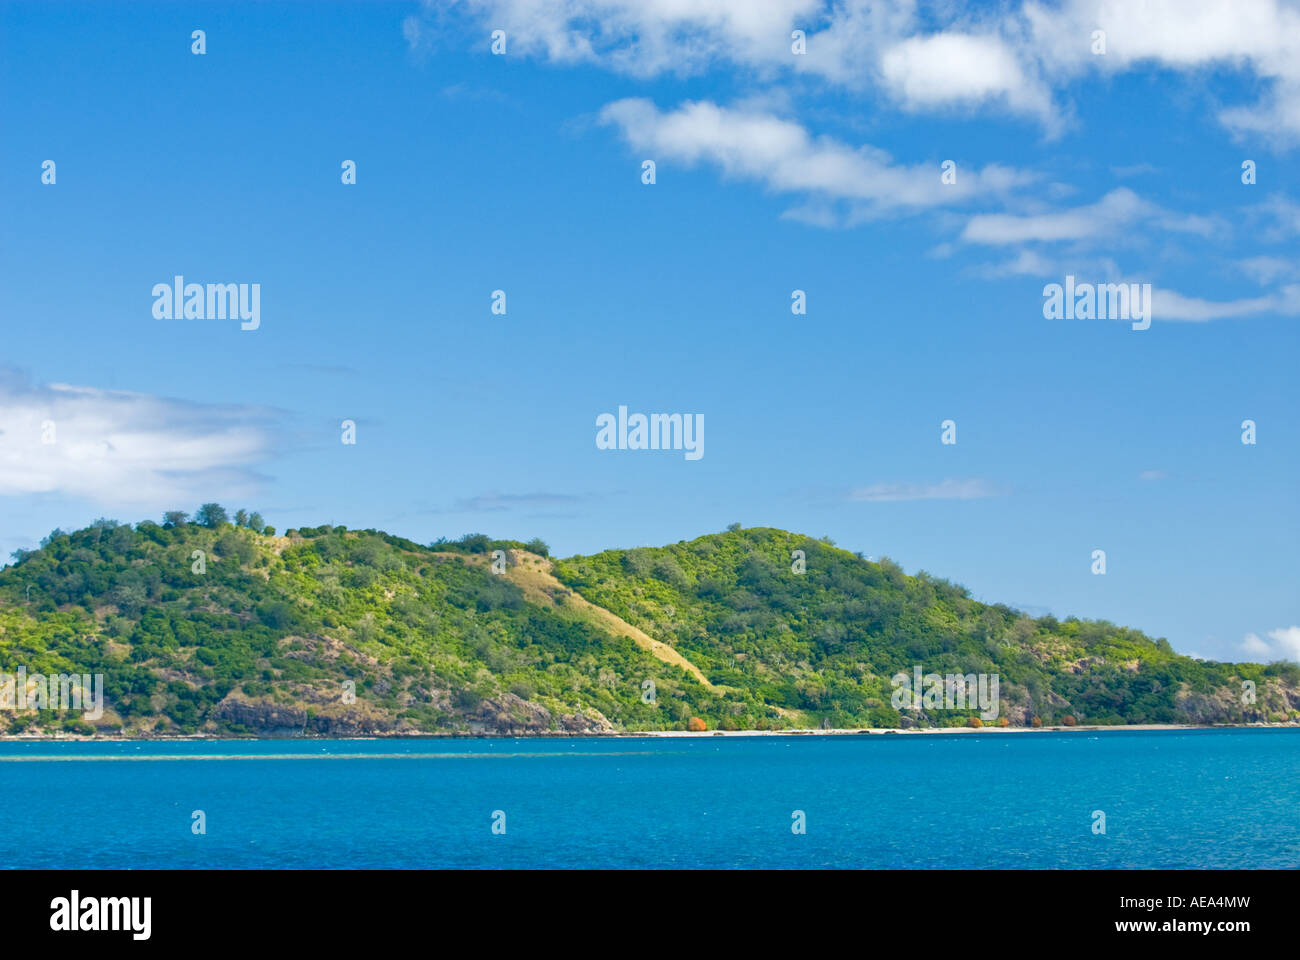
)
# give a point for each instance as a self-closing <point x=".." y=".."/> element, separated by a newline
<point x="972" y="489"/>
<point x="1170" y="305"/>
<point x="638" y="37"/>
<point x="1281" y="217"/>
<point x="954" y="68"/>
<point x="1259" y="36"/>
<point x="749" y="144"/>
<point x="1264" y="270"/>
<point x="116" y="447"/>
<point x="1006" y="56"/>
<point x="1032" y="263"/>
<point x="1107" y="217"/>
<point x="1282" y="644"/>
<point x="1024" y="263"/>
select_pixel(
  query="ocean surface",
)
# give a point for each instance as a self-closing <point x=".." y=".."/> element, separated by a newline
<point x="1228" y="799"/>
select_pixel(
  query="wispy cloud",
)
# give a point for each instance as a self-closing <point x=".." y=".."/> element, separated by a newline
<point x="970" y="489"/>
<point x="1108" y="218"/>
<point x="1027" y="58"/>
<point x="1280" y="217"/>
<point x="750" y="144"/>
<point x="1134" y="170"/>
<point x="501" y="502"/>
<point x="1024" y="58"/>
<point x="116" y="447"/>
<point x="1170" y="305"/>
<point x="1266" y="269"/>
<point x="1282" y="644"/>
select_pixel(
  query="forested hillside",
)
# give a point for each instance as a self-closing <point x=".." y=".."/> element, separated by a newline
<point x="218" y="627"/>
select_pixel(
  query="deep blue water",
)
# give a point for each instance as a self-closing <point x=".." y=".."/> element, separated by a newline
<point x="1172" y="799"/>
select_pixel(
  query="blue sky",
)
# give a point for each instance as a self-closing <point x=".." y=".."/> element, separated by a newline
<point x="774" y="172"/>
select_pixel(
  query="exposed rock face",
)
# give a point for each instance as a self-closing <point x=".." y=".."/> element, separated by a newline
<point x="1085" y="664"/>
<point x="1018" y="714"/>
<point x="1228" y="705"/>
<point x="262" y="716"/>
<point x="315" y="712"/>
<point x="589" y="721"/>
<point x="509" y="714"/>
<point x="271" y="719"/>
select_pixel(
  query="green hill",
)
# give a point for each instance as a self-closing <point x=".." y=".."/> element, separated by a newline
<point x="220" y="629"/>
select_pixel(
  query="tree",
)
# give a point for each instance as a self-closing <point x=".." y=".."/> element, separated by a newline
<point x="236" y="546"/>
<point x="537" y="545"/>
<point x="175" y="518"/>
<point x="211" y="515"/>
<point x="268" y="531"/>
<point x="255" y="521"/>
<point x="476" y="542"/>
<point x="241" y="517"/>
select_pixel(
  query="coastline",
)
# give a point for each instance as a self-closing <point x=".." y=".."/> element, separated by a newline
<point x="667" y="734"/>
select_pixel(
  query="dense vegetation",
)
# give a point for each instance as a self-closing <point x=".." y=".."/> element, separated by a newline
<point x="827" y="641"/>
<point x="218" y="626"/>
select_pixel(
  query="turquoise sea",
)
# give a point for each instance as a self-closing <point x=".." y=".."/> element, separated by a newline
<point x="1227" y="799"/>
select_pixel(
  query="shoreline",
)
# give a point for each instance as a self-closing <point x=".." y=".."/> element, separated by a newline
<point x="667" y="734"/>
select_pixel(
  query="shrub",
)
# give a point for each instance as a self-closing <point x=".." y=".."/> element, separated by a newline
<point x="1037" y="722"/>
<point x="235" y="547"/>
<point x="637" y="561"/>
<point x="475" y="542"/>
<point x="1068" y="720"/>
<point x="975" y="722"/>
<point x="467" y="699"/>
<point x="276" y="614"/>
<point x="696" y="724"/>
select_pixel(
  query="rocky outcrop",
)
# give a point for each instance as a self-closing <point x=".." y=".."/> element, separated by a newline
<point x="509" y="714"/>
<point x="268" y="718"/>
<point x="586" y="721"/>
